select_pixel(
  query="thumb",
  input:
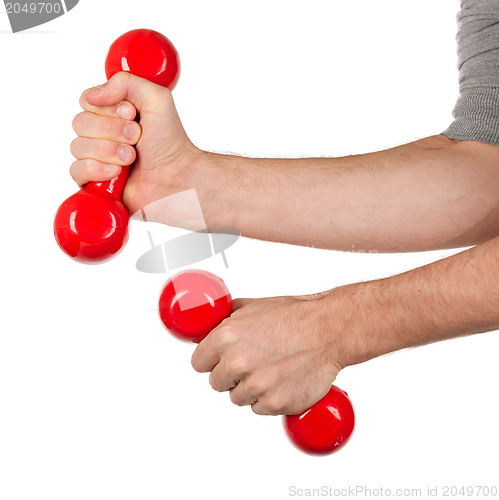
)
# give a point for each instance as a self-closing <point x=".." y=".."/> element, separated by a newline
<point x="143" y="94"/>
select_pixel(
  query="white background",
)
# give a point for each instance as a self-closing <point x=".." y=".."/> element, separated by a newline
<point x="97" y="401"/>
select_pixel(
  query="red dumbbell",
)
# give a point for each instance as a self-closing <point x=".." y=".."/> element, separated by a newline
<point x="324" y="428"/>
<point x="92" y="225"/>
<point x="194" y="302"/>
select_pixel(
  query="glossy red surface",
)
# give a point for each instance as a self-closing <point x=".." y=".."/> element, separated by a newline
<point x="325" y="427"/>
<point x="193" y="303"/>
<point x="92" y="225"/>
<point x="145" y="53"/>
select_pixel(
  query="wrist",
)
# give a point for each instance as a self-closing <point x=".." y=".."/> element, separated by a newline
<point x="382" y="316"/>
<point x="349" y="320"/>
<point x="366" y="325"/>
<point x="217" y="179"/>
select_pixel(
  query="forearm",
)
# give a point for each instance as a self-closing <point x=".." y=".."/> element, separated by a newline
<point x="453" y="297"/>
<point x="430" y="194"/>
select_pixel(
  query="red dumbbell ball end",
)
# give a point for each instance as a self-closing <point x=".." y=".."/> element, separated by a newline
<point x="145" y="53"/>
<point x="324" y="428"/>
<point x="193" y="303"/>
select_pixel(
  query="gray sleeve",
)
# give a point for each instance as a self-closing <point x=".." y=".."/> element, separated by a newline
<point x="477" y="110"/>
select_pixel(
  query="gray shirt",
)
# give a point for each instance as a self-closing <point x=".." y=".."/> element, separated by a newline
<point x="477" y="110"/>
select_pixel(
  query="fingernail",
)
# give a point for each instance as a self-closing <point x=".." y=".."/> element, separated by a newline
<point x="95" y="91"/>
<point x="122" y="111"/>
<point x="130" y="132"/>
<point x="112" y="169"/>
<point x="125" y="153"/>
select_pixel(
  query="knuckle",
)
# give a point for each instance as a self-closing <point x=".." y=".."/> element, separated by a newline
<point x="73" y="170"/>
<point x="121" y="78"/>
<point x="108" y="127"/>
<point x="74" y="146"/>
<point x="235" y="399"/>
<point x="97" y="149"/>
<point x="225" y="336"/>
<point x="237" y="364"/>
<point x="214" y="383"/>
<point x="77" y="121"/>
<point x="86" y="167"/>
<point x="258" y="409"/>
<point x="273" y="404"/>
<point x="255" y="386"/>
<point x="93" y="168"/>
<point x="83" y="101"/>
<point x="195" y="362"/>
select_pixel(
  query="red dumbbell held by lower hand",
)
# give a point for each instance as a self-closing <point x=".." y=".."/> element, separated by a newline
<point x="324" y="428"/>
<point x="92" y="225"/>
<point x="194" y="302"/>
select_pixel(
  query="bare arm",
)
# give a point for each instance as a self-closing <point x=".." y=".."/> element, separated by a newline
<point x="430" y="194"/>
<point x="450" y="298"/>
<point x="314" y="337"/>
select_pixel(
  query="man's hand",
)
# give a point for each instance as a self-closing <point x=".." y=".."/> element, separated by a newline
<point x="107" y="129"/>
<point x="276" y="354"/>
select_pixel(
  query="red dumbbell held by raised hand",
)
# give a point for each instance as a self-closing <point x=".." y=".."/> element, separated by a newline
<point x="92" y="225"/>
<point x="145" y="53"/>
<point x="194" y="302"/>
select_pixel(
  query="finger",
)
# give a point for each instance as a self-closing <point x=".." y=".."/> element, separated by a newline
<point x="209" y="351"/>
<point x="221" y="380"/>
<point x="83" y="171"/>
<point x="240" y="396"/>
<point x="103" y="151"/>
<point x="122" y="109"/>
<point x="229" y="371"/>
<point x="271" y="401"/>
<point x="283" y="400"/>
<point x="238" y="303"/>
<point x="95" y="126"/>
<point x="262" y="409"/>
<point x="123" y="86"/>
<point x="205" y="358"/>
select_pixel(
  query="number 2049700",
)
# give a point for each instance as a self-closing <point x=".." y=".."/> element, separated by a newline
<point x="33" y="8"/>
